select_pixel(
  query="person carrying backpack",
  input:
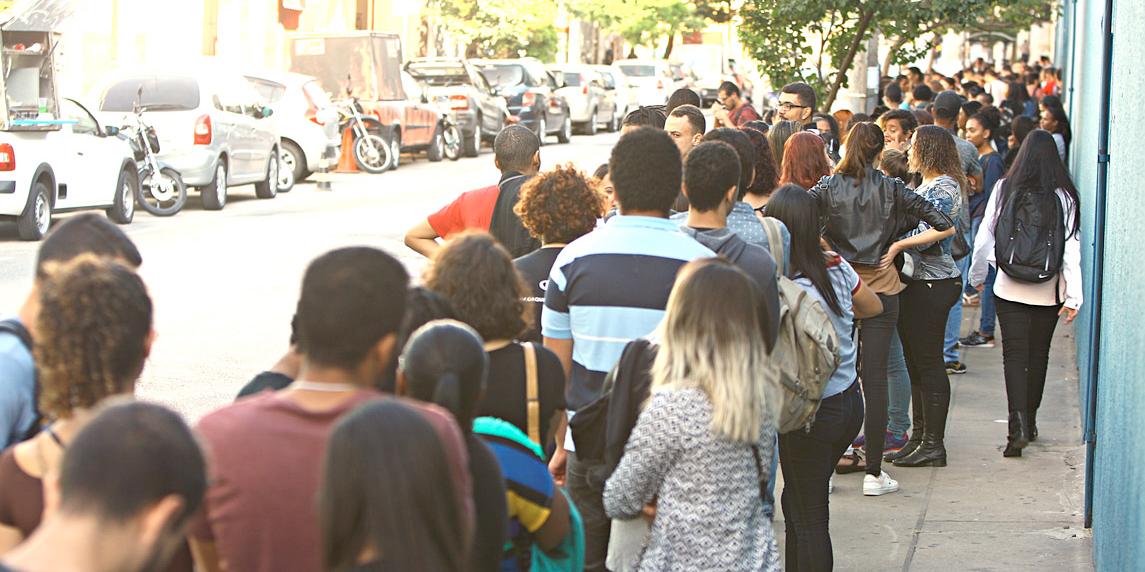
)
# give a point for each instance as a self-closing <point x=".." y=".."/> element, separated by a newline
<point x="809" y="457"/>
<point x="1031" y="234"/>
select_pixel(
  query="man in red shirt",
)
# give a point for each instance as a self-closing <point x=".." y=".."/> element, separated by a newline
<point x="516" y="153"/>
<point x="731" y="110"/>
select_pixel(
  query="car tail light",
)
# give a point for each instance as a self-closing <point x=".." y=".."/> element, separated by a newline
<point x="7" y="158"/>
<point x="458" y="102"/>
<point x="584" y="82"/>
<point x="659" y="84"/>
<point x="203" y="131"/>
<point x="528" y="99"/>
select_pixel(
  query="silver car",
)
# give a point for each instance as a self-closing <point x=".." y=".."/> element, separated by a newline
<point x="307" y="121"/>
<point x="589" y="102"/>
<point x="212" y="127"/>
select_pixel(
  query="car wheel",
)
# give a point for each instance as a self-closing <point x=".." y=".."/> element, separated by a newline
<point x="473" y="142"/>
<point x="395" y="150"/>
<point x="286" y="178"/>
<point x="214" y="195"/>
<point x="590" y="129"/>
<point x="542" y="130"/>
<point x="565" y="134"/>
<point x="122" y="210"/>
<point x="614" y="123"/>
<point x="293" y="159"/>
<point x="436" y="150"/>
<point x="34" y="222"/>
<point x="268" y="189"/>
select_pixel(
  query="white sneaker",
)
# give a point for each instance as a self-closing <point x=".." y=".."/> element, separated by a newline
<point x="831" y="484"/>
<point x="883" y="484"/>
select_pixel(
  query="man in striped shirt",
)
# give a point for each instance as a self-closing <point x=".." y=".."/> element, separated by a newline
<point x="610" y="287"/>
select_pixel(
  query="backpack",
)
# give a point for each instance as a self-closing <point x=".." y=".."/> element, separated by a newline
<point x="1029" y="236"/>
<point x="807" y="349"/>
<point x="15" y="328"/>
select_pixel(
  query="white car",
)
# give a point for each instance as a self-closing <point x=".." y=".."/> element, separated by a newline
<point x="77" y="167"/>
<point x="615" y="82"/>
<point x="306" y="119"/>
<point x="651" y="79"/>
<point x="590" y="104"/>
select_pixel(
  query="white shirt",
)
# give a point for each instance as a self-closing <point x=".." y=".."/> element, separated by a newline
<point x="1067" y="284"/>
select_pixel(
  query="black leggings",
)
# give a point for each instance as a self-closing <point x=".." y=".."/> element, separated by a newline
<point x="923" y="308"/>
<point x="874" y="345"/>
<point x="1026" y="335"/>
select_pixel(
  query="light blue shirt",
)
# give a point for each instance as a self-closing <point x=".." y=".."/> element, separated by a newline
<point x="17" y="390"/>
<point x="845" y="281"/>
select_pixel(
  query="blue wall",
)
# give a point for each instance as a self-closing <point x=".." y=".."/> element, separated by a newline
<point x="1119" y="467"/>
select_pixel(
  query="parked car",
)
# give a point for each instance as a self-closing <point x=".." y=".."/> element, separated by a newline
<point x="651" y="79"/>
<point x="212" y="128"/>
<point x="615" y="82"/>
<point x="76" y="167"/>
<point x="306" y="118"/>
<point x="367" y="66"/>
<point x="454" y="84"/>
<point x="590" y="104"/>
<point x="531" y="92"/>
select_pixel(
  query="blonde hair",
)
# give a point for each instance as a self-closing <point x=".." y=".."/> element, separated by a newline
<point x="711" y="339"/>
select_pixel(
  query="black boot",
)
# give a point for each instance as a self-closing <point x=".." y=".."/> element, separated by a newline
<point x="1019" y="435"/>
<point x="932" y="451"/>
<point x="1032" y="424"/>
<point x="917" y="427"/>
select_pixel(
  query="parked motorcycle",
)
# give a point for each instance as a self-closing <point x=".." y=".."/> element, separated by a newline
<point x="371" y="151"/>
<point x="161" y="188"/>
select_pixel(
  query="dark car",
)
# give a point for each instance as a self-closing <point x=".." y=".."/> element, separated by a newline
<point x="531" y="92"/>
<point x="459" y="89"/>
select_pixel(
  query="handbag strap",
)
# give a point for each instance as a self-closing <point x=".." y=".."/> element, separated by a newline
<point x="533" y="403"/>
<point x="774" y="242"/>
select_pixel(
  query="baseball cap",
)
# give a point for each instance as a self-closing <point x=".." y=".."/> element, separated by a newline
<point x="948" y="101"/>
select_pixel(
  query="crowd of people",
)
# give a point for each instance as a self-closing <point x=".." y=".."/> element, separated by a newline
<point x="600" y="371"/>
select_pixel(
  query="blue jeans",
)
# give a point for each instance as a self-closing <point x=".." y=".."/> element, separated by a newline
<point x="986" y="301"/>
<point x="898" y="390"/>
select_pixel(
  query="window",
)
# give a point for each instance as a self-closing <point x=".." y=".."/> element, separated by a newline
<point x="85" y="123"/>
<point x="572" y="79"/>
<point x="159" y="94"/>
<point x="638" y="70"/>
<point x="269" y="91"/>
<point x="608" y="81"/>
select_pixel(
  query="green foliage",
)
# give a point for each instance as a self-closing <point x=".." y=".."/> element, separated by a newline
<point x="644" y="22"/>
<point x="501" y="28"/>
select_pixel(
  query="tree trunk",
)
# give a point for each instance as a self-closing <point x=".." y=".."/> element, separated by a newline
<point x="845" y="65"/>
<point x="671" y="44"/>
<point x="891" y="55"/>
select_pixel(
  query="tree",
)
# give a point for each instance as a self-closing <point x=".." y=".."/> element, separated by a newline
<point x="500" y="28"/>
<point x="645" y="22"/>
<point x="782" y="35"/>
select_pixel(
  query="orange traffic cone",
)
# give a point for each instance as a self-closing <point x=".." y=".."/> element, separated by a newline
<point x="346" y="162"/>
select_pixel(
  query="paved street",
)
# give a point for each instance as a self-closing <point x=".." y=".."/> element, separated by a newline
<point x="225" y="283"/>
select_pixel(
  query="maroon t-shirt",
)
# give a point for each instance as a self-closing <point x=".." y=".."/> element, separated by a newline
<point x="265" y="455"/>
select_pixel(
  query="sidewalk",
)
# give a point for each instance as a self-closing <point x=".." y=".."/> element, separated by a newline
<point x="982" y="511"/>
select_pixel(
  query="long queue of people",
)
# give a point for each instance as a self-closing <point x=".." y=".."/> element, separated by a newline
<point x="596" y="372"/>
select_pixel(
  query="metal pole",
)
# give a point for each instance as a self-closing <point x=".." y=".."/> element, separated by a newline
<point x="1098" y="256"/>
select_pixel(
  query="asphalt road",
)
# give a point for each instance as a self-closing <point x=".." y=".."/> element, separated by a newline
<point x="225" y="284"/>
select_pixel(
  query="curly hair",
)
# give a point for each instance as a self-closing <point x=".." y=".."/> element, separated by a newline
<point x="475" y="274"/>
<point x="766" y="177"/>
<point x="934" y="150"/>
<point x="561" y="205"/>
<point x="92" y="334"/>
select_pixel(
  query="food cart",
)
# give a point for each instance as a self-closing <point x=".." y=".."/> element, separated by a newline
<point x="29" y="37"/>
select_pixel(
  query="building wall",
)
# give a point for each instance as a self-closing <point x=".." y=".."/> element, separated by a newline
<point x="1119" y="467"/>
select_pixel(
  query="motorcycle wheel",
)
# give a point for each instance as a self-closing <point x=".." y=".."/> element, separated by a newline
<point x="453" y="143"/>
<point x="372" y="154"/>
<point x="162" y="195"/>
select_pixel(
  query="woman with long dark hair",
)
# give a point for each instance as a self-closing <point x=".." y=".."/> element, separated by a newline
<point x="444" y="363"/>
<point x="1028" y="311"/>
<point x="1019" y="129"/>
<point x="387" y="501"/>
<point x="1054" y="120"/>
<point x="808" y="457"/>
<point x="926" y="302"/>
<point x="864" y="212"/>
<point x="766" y="177"/>
<point x="777" y="137"/>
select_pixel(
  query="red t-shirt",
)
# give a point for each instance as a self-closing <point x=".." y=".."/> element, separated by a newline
<point x="471" y="210"/>
<point x="265" y="457"/>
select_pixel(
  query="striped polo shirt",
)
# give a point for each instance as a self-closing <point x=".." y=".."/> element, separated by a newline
<point x="610" y="287"/>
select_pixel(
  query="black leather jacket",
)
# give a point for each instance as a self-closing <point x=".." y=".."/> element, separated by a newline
<point x="862" y="217"/>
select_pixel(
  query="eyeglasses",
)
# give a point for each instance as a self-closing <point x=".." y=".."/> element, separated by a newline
<point x="788" y="106"/>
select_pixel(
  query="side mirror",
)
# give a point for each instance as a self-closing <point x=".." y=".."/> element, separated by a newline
<point x="265" y="112"/>
<point x="111" y="130"/>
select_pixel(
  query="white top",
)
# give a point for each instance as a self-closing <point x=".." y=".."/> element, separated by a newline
<point x="1066" y="285"/>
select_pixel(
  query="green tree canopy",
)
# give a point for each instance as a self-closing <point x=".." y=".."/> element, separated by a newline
<point x="500" y="28"/>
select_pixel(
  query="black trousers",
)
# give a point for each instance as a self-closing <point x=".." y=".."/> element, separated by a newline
<point x="874" y="345"/>
<point x="923" y="309"/>
<point x="589" y="501"/>
<point x="1026" y="335"/>
<point x="808" y="459"/>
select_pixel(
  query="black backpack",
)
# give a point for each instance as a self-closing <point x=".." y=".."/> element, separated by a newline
<point x="17" y="329"/>
<point x="1030" y="235"/>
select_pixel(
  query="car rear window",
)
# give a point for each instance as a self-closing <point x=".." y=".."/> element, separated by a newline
<point x="504" y="75"/>
<point x="439" y="74"/>
<point x="572" y="79"/>
<point x="638" y="71"/>
<point x="159" y="94"/>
